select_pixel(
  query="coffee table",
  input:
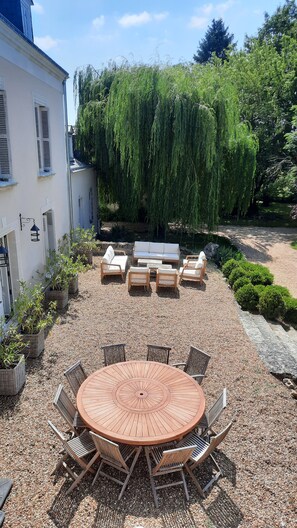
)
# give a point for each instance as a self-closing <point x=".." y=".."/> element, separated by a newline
<point x="140" y="402"/>
<point x="153" y="264"/>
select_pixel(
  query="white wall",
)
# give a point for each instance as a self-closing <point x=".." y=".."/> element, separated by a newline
<point x="82" y="180"/>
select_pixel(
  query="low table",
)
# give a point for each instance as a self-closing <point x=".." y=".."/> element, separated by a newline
<point x="153" y="264"/>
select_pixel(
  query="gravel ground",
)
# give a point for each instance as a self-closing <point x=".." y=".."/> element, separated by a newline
<point x="258" y="456"/>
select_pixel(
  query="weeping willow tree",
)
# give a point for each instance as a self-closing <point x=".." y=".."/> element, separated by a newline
<point x="169" y="139"/>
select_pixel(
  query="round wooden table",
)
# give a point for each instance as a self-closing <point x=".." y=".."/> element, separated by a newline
<point x="140" y="402"/>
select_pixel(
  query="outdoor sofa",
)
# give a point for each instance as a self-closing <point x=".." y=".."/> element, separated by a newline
<point x="156" y="250"/>
<point x="112" y="264"/>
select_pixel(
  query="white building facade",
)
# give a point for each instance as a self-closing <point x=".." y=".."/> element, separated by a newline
<point x="35" y="184"/>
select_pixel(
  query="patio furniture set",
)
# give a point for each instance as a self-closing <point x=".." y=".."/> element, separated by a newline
<point x="130" y="406"/>
<point x="153" y="258"/>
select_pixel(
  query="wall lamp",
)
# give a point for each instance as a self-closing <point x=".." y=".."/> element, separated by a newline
<point x="3" y="257"/>
<point x="34" y="229"/>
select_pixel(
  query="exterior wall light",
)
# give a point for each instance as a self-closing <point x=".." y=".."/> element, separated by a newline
<point x="34" y="231"/>
<point x="3" y="257"/>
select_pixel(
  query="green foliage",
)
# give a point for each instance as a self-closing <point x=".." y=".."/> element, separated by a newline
<point x="29" y="309"/>
<point x="56" y="272"/>
<point x="282" y="290"/>
<point x="226" y="253"/>
<point x="294" y="244"/>
<point x="83" y="239"/>
<point x="291" y="310"/>
<point x="164" y="139"/>
<point x="271" y="304"/>
<point x="236" y="274"/>
<point x="260" y="288"/>
<point x="217" y="40"/>
<point x="11" y="345"/>
<point x="240" y="282"/>
<point x="247" y="297"/>
<point x="257" y="273"/>
<point x="229" y="266"/>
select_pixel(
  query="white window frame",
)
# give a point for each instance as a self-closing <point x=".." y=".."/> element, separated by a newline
<point x="5" y="158"/>
<point x="43" y="139"/>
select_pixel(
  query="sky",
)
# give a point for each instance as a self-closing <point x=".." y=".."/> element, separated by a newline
<point x="75" y="33"/>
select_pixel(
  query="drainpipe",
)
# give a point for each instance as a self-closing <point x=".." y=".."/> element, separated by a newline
<point x="69" y="182"/>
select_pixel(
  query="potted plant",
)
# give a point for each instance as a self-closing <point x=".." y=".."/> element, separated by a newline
<point x="83" y="243"/>
<point x="12" y="361"/>
<point x="56" y="274"/>
<point x="32" y="317"/>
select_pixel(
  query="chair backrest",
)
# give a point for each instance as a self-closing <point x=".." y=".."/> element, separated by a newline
<point x="114" y="354"/>
<point x="57" y="432"/>
<point x="75" y="376"/>
<point x="65" y="406"/>
<point x="197" y="361"/>
<point x="173" y="459"/>
<point x="215" y="411"/>
<point x="109" y="451"/>
<point x="158" y="353"/>
<point x="214" y="442"/>
<point x="167" y="277"/>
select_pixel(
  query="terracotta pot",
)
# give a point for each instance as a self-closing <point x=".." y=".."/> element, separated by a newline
<point x="35" y="344"/>
<point x="12" y="379"/>
<point x="73" y="285"/>
<point x="60" y="296"/>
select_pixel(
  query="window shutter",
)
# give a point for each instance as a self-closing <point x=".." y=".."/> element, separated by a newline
<point x="45" y="138"/>
<point x="4" y="150"/>
<point x="38" y="138"/>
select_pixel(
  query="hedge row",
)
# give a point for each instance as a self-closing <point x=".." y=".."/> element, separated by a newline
<point x="255" y="291"/>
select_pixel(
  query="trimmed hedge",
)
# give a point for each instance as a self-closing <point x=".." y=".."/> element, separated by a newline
<point x="271" y="304"/>
<point x="241" y="282"/>
<point x="229" y="266"/>
<point x="235" y="274"/>
<point x="291" y="310"/>
<point x="247" y="297"/>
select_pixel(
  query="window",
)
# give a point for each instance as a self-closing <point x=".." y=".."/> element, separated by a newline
<point x="43" y="141"/>
<point x="5" y="173"/>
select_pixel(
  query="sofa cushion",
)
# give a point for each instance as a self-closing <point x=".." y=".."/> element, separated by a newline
<point x="108" y="256"/>
<point x="141" y="246"/>
<point x="199" y="264"/>
<point x="162" y="271"/>
<point x="202" y="255"/>
<point x="171" y="256"/>
<point x="139" y="269"/>
<point x="156" y="248"/>
<point x="121" y="260"/>
<point x="171" y="248"/>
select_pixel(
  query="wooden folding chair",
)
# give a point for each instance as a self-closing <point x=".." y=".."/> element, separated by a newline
<point x="77" y="448"/>
<point x="205" y="426"/>
<point x="68" y="411"/>
<point x="158" y="353"/>
<point x="196" y="364"/>
<point x="203" y="450"/>
<point x="166" y="462"/>
<point x="114" y="354"/>
<point x="75" y="376"/>
<point x="116" y="456"/>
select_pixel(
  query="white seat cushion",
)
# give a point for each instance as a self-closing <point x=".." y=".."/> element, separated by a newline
<point x="156" y="247"/>
<point x="141" y="246"/>
<point x="190" y="272"/>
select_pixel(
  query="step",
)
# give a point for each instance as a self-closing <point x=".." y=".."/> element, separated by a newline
<point x="274" y="353"/>
<point x="292" y="333"/>
<point x="285" y="338"/>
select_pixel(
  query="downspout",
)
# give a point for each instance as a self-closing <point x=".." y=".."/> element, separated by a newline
<point x="69" y="182"/>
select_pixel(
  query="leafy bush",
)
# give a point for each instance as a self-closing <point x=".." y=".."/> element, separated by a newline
<point x="247" y="297"/>
<point x="240" y="282"/>
<point x="291" y="310"/>
<point x="271" y="304"/>
<point x="226" y="253"/>
<point x="282" y="290"/>
<point x="229" y="266"/>
<point x="260" y="288"/>
<point x="257" y="273"/>
<point x="235" y="274"/>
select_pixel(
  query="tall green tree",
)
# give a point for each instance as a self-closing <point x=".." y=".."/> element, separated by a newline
<point x="172" y="141"/>
<point x="217" y="40"/>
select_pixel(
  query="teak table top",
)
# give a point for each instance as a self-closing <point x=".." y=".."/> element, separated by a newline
<point x="140" y="402"/>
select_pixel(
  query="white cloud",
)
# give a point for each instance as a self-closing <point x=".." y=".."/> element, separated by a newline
<point x="38" y="8"/>
<point x="98" y="22"/>
<point x="141" y="18"/>
<point x="222" y="8"/>
<point x="45" y="43"/>
<point x="198" y="22"/>
<point x="207" y="9"/>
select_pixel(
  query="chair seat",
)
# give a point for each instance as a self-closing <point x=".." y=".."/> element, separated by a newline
<point x="190" y="272"/>
<point x="200" y="443"/>
<point x="82" y="445"/>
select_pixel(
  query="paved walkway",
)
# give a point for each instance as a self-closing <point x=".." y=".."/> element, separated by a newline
<point x="270" y="246"/>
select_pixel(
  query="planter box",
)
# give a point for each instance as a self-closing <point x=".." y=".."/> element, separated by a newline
<point x="12" y="380"/>
<point x="73" y="285"/>
<point x="61" y="298"/>
<point x="35" y="344"/>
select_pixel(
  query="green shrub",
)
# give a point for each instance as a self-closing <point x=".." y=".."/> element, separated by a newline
<point x="291" y="310"/>
<point x="260" y="288"/>
<point x="235" y="274"/>
<point x="282" y="290"/>
<point x="241" y="282"/>
<point x="226" y="253"/>
<point x="247" y="297"/>
<point x="257" y="273"/>
<point x="229" y="266"/>
<point x="271" y="304"/>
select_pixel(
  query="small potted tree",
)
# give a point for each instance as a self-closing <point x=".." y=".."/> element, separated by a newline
<point x="32" y="317"/>
<point x="83" y="243"/>
<point x="58" y="278"/>
<point x="12" y="361"/>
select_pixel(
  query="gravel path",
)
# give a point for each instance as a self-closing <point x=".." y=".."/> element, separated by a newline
<point x="270" y="246"/>
<point x="258" y="456"/>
